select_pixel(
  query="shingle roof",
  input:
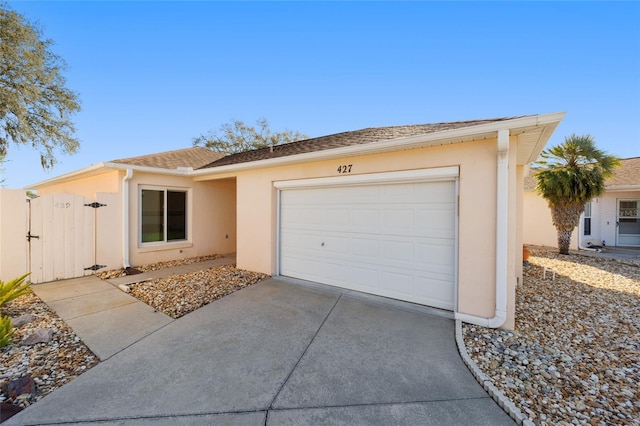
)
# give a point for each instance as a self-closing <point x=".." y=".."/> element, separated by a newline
<point x="338" y="140"/>
<point x="188" y="157"/>
<point x="627" y="174"/>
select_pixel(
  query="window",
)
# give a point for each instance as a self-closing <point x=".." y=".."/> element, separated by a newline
<point x="587" y="219"/>
<point x="629" y="217"/>
<point x="163" y="215"/>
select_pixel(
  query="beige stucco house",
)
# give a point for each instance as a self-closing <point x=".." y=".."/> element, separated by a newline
<point x="430" y="214"/>
<point x="612" y="219"/>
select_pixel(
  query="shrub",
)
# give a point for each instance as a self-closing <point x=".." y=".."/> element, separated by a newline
<point x="13" y="289"/>
<point x="6" y="331"/>
<point x="9" y="291"/>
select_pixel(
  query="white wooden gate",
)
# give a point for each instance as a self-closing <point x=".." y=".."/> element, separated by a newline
<point x="61" y="237"/>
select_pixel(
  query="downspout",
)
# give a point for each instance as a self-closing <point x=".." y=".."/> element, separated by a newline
<point x="125" y="218"/>
<point x="502" y="233"/>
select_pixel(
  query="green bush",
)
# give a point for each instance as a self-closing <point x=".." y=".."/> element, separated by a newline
<point x="13" y="289"/>
<point x="6" y="331"/>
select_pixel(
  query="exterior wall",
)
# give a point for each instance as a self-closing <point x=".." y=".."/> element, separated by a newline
<point x="538" y="228"/>
<point x="604" y="216"/>
<point x="257" y="211"/>
<point x="14" y="212"/>
<point x="211" y="227"/>
<point x="109" y="181"/>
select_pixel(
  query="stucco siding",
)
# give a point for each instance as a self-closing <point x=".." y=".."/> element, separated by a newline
<point x="257" y="209"/>
<point x="538" y="226"/>
<point x="109" y="181"/>
<point x="211" y="227"/>
<point x="604" y="214"/>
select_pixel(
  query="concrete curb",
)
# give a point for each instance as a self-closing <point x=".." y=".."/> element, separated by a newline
<point x="505" y="403"/>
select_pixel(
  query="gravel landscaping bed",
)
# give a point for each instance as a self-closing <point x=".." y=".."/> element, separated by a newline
<point x="40" y="367"/>
<point x="574" y="357"/>
<point x="116" y="273"/>
<point x="180" y="294"/>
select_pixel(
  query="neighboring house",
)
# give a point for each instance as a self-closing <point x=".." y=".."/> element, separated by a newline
<point x="430" y="214"/>
<point x="613" y="219"/>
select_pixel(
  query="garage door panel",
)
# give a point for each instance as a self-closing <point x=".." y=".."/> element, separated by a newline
<point x="394" y="240"/>
<point x="336" y="217"/>
<point x="359" y="278"/>
<point x="308" y="268"/>
<point x="296" y="216"/>
<point x="365" y="219"/>
<point x="438" y="293"/>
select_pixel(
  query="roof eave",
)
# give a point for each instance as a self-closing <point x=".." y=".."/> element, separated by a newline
<point x="445" y="137"/>
<point x="623" y="187"/>
<point x="104" y="167"/>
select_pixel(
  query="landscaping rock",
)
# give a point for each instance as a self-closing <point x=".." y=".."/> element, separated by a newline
<point x="22" y="320"/>
<point x="42" y="335"/>
<point x="22" y="386"/>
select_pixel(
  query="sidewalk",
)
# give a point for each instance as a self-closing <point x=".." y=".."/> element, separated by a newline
<point x="105" y="318"/>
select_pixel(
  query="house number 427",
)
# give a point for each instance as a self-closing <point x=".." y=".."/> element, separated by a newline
<point x="345" y="168"/>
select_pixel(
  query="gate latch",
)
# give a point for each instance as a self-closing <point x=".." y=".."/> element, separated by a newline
<point x="95" y="267"/>
<point x="29" y="236"/>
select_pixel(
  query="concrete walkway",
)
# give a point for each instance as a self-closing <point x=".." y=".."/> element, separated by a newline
<point x="105" y="318"/>
<point x="282" y="352"/>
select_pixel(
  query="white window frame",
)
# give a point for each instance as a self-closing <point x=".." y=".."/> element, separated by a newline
<point x="586" y="215"/>
<point x="187" y="207"/>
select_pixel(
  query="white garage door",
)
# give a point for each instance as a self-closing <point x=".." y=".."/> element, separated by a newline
<point x="391" y="239"/>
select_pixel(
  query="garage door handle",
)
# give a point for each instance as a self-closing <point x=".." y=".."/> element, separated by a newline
<point x="322" y="245"/>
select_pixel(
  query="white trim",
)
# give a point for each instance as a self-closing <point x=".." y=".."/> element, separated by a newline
<point x="104" y="167"/>
<point x="126" y="238"/>
<point x="435" y="174"/>
<point x="278" y="221"/>
<point x="165" y="243"/>
<point x="456" y="247"/>
<point x="622" y="188"/>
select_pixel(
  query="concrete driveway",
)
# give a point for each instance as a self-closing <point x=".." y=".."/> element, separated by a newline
<point x="282" y="352"/>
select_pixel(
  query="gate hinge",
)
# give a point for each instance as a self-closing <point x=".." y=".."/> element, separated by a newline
<point x="95" y="205"/>
<point x="29" y="236"/>
<point x="95" y="267"/>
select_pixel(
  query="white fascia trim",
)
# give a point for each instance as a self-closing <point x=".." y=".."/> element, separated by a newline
<point x="105" y="166"/>
<point x="68" y="176"/>
<point x="439" y="173"/>
<point x="623" y="188"/>
<point x="125" y="218"/>
<point x="480" y="131"/>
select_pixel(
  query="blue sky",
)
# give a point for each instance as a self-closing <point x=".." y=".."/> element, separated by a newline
<point x="153" y="75"/>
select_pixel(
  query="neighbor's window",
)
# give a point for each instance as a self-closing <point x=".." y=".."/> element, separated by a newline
<point x="587" y="219"/>
<point x="164" y="215"/>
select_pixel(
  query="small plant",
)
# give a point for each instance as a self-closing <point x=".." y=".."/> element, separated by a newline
<point x="13" y="289"/>
<point x="6" y="331"/>
<point x="9" y="291"/>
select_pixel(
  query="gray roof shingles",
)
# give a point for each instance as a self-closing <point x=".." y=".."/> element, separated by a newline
<point x="626" y="175"/>
<point x="339" y="140"/>
<point x="195" y="157"/>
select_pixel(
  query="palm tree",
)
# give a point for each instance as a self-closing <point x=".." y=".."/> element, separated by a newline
<point x="572" y="174"/>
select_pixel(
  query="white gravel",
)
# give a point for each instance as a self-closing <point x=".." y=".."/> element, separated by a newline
<point x="574" y="357"/>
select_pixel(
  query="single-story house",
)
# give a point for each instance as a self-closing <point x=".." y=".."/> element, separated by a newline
<point x="430" y="214"/>
<point x="613" y="219"/>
